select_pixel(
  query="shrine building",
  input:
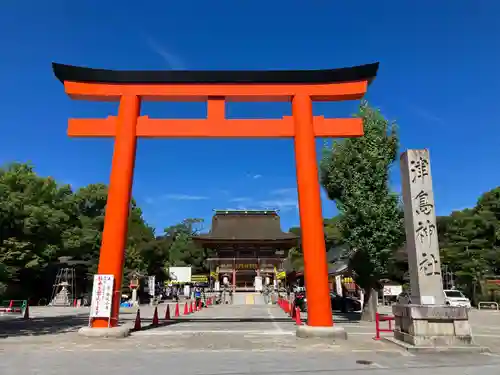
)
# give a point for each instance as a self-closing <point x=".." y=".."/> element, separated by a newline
<point x="248" y="247"/>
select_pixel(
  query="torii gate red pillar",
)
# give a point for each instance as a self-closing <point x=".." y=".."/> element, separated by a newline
<point x="215" y="88"/>
<point x="311" y="217"/>
<point x="114" y="236"/>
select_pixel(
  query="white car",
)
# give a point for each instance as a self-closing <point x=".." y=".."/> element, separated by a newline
<point x="452" y="297"/>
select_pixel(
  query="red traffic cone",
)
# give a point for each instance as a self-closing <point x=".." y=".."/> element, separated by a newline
<point x="137" y="323"/>
<point x="191" y="307"/>
<point x="26" y="315"/>
<point x="186" y="311"/>
<point x="176" y="314"/>
<point x="167" y="313"/>
<point x="155" y="321"/>
<point x="200" y="305"/>
<point x="297" y="317"/>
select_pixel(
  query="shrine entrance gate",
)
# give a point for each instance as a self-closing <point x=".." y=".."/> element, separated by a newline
<point x="301" y="88"/>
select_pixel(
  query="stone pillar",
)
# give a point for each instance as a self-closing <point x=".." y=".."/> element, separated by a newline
<point x="427" y="323"/>
<point x="421" y="230"/>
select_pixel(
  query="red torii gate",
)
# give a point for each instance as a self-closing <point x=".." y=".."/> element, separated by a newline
<point x="301" y="88"/>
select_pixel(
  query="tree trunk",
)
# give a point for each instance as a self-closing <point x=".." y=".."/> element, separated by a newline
<point x="369" y="305"/>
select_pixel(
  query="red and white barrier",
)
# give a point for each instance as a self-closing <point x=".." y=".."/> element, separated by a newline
<point x="382" y="318"/>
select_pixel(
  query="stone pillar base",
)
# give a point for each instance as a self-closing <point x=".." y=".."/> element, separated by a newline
<point x="334" y="332"/>
<point x="433" y="328"/>
<point x="112" y="332"/>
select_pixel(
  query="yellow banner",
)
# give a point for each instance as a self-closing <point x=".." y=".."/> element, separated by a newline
<point x="199" y="278"/>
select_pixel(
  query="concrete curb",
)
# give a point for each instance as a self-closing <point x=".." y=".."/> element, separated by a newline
<point x="334" y="332"/>
<point x="114" y="332"/>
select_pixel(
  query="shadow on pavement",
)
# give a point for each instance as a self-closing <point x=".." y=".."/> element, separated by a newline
<point x="147" y="326"/>
<point x="42" y="326"/>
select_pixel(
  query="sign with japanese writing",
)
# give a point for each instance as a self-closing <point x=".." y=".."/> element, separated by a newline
<point x="421" y="230"/>
<point x="102" y="296"/>
<point x="151" y="285"/>
<point x="392" y="290"/>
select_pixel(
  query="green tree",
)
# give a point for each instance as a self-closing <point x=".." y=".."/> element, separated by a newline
<point x="468" y="248"/>
<point x="333" y="238"/>
<point x="355" y="174"/>
<point x="34" y="213"/>
<point x="41" y="221"/>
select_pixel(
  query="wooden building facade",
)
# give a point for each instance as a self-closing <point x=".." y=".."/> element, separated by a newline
<point x="246" y="244"/>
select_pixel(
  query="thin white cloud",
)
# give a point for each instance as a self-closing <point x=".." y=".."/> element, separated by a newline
<point x="280" y="204"/>
<point x="426" y="114"/>
<point x="184" y="197"/>
<point x="284" y="191"/>
<point x="172" y="60"/>
<point x="254" y="176"/>
<point x="240" y="199"/>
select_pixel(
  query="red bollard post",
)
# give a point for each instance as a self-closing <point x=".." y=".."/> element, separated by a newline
<point x="377" y="327"/>
<point x="382" y="318"/>
<point x="137" y="323"/>
<point x="156" y="321"/>
<point x="298" y="321"/>
<point x="177" y="310"/>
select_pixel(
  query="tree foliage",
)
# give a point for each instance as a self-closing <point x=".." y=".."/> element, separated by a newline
<point x="42" y="221"/>
<point x="355" y="174"/>
<point x="469" y="244"/>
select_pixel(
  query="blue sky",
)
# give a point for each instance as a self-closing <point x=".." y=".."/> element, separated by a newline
<point x="437" y="79"/>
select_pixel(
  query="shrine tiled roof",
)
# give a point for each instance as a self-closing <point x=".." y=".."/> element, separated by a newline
<point x="246" y="226"/>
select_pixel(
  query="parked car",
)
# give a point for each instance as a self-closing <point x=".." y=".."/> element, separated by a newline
<point x="344" y="304"/>
<point x="339" y="303"/>
<point x="452" y="297"/>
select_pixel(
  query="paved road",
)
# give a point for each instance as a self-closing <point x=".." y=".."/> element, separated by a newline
<point x="219" y="340"/>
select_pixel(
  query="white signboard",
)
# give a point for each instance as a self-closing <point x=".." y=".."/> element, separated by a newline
<point x="151" y="285"/>
<point x="393" y="290"/>
<point x="180" y="275"/>
<point x="102" y="296"/>
<point x="338" y="285"/>
<point x="258" y="283"/>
